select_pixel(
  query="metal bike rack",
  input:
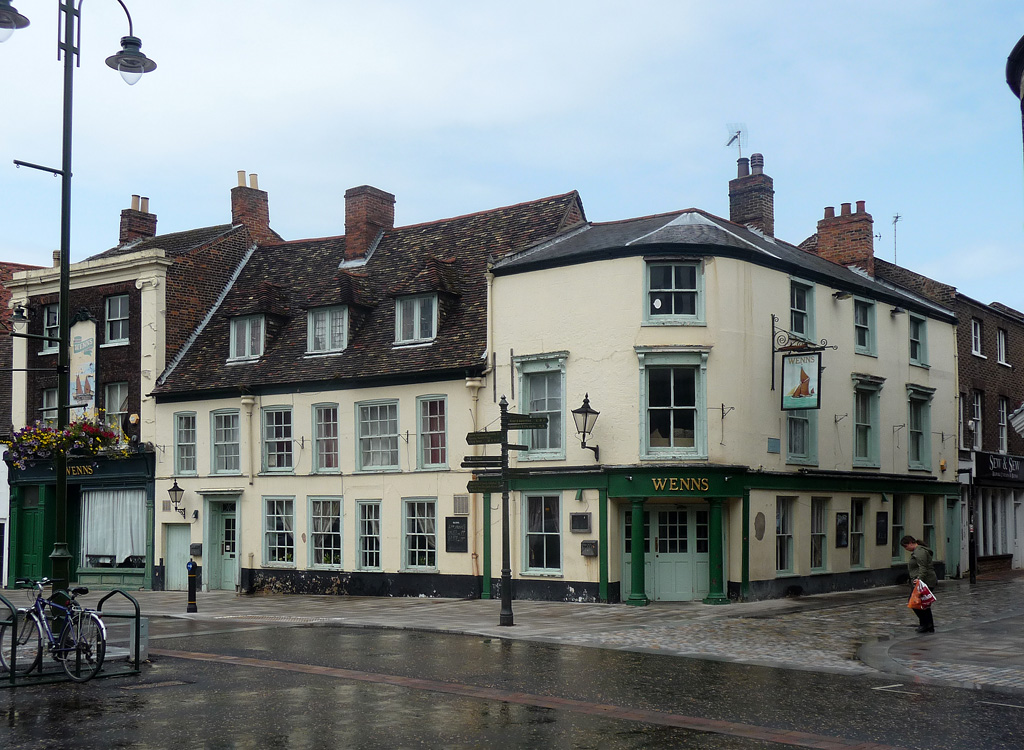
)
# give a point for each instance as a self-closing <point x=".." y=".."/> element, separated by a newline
<point x="44" y="673"/>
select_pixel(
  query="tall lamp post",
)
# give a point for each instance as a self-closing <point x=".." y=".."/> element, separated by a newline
<point x="131" y="64"/>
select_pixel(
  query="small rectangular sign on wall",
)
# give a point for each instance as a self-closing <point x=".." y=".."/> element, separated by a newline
<point x="801" y="381"/>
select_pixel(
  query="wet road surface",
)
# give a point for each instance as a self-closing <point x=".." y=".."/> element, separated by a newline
<point x="296" y="687"/>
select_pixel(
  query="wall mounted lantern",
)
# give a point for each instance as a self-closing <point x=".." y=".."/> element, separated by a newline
<point x="585" y="419"/>
<point x="176" y="493"/>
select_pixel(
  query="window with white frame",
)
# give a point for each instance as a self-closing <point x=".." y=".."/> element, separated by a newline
<point x="433" y="432"/>
<point x="784" y="534"/>
<point x="864" y="326"/>
<point x="48" y="412"/>
<point x="673" y="418"/>
<point x="327" y="329"/>
<point x="277" y="439"/>
<point x="325" y="531"/>
<point x="377" y="435"/>
<point x="279" y="530"/>
<point x="325" y="438"/>
<point x="117" y="319"/>
<point x="918" y="340"/>
<point x="819" y="532"/>
<point x="919" y="428"/>
<point x="369" y="534"/>
<point x="801" y="309"/>
<point x="543" y="533"/>
<point x="113" y="528"/>
<point x="115" y="400"/>
<point x="542" y="391"/>
<point x="51" y="327"/>
<point x="978" y="407"/>
<point x="185" y="443"/>
<point x="802" y="436"/>
<point x="1004" y="419"/>
<point x="674" y="293"/>
<point x="899" y="525"/>
<point x="976" y="337"/>
<point x="857" y="512"/>
<point x="415" y="319"/>
<point x="226" y="450"/>
<point x="246" y="337"/>
<point x="866" y="396"/>
<point x="420" y="534"/>
<point x="1001" y="347"/>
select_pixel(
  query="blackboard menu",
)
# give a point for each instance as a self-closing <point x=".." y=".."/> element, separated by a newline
<point x="456" y="534"/>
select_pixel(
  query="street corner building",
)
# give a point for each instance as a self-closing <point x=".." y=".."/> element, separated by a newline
<point x="773" y="417"/>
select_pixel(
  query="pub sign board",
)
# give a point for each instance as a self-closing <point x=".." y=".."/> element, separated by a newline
<point x="801" y="381"/>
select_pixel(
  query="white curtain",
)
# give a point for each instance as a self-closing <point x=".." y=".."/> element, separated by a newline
<point x="113" y="524"/>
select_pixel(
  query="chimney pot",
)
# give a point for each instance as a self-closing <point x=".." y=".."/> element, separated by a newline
<point x="136" y="222"/>
<point x="757" y="164"/>
<point x="830" y="212"/>
<point x="742" y="167"/>
<point x="135" y="203"/>
<point x="254" y="181"/>
<point x="752" y="196"/>
<point x="144" y="205"/>
<point x="56" y="258"/>
<point x="860" y="207"/>
<point x="241" y="178"/>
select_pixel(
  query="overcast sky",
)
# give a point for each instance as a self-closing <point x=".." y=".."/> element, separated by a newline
<point x="458" y="107"/>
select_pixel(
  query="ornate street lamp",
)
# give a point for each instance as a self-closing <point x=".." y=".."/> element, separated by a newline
<point x="585" y="419"/>
<point x="175" y="493"/>
<point x="132" y="64"/>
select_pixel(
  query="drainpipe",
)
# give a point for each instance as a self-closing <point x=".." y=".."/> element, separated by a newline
<point x="474" y="385"/>
<point x="248" y="402"/>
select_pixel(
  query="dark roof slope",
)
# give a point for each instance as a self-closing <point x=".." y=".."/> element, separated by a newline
<point x="172" y="244"/>
<point x="696" y="232"/>
<point x="284" y="280"/>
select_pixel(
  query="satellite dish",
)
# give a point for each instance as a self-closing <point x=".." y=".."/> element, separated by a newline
<point x="737" y="136"/>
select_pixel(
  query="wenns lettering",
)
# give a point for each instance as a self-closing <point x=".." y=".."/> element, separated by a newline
<point x="77" y="471"/>
<point x="679" y="484"/>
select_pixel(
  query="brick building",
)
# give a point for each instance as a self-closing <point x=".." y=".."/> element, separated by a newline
<point x="133" y="308"/>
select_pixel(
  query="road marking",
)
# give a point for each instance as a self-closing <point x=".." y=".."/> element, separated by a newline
<point x="622" y="713"/>
<point x="1004" y="705"/>
<point x="889" y="689"/>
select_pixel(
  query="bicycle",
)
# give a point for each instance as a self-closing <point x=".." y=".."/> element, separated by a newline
<point x="79" y="648"/>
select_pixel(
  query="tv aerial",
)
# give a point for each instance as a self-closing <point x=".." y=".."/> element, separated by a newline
<point x="737" y="136"/>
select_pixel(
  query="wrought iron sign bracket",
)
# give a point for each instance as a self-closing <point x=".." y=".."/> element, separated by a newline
<point x="785" y="343"/>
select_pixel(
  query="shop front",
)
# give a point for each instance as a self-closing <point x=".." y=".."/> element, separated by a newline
<point x="110" y="517"/>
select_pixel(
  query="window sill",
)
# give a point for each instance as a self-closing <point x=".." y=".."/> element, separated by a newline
<point x="866" y="353"/>
<point x="820" y="571"/>
<point x="922" y="365"/>
<point x="674" y="457"/>
<point x="418" y="570"/>
<point x="280" y="473"/>
<point x="786" y="574"/>
<point x="795" y="461"/>
<point x="325" y="472"/>
<point x="237" y="473"/>
<point x="411" y="344"/>
<point x="331" y="353"/>
<point x="1004" y="364"/>
<point x="243" y="360"/>
<point x="335" y="568"/>
<point x="542" y="573"/>
<point x="542" y="457"/>
<point x="866" y="465"/>
<point x="379" y="470"/>
<point x="45" y="352"/>
<point x="114" y="344"/>
<point x="979" y="355"/>
<point x="279" y="565"/>
<point x="433" y="467"/>
<point x="675" y="322"/>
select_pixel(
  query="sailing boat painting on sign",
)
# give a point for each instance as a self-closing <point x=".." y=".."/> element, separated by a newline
<point x="801" y="381"/>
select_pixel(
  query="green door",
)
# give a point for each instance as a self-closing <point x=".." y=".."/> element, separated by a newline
<point x="32" y="555"/>
<point x="222" y="558"/>
<point x="954" y="525"/>
<point x="675" y="554"/>
<point x="179" y="535"/>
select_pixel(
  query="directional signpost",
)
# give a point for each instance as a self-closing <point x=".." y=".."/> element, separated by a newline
<point x="493" y="476"/>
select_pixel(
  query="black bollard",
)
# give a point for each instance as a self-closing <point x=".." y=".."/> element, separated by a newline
<point x="191" y="567"/>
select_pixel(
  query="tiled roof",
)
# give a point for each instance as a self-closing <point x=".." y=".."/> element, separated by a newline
<point x="448" y="256"/>
<point x="696" y="232"/>
<point x="172" y="244"/>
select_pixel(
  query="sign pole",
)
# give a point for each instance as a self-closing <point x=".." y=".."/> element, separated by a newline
<point x="505" y="618"/>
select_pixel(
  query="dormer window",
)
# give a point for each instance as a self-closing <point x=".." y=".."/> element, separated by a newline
<point x="246" y="337"/>
<point x="327" y="329"/>
<point x="415" y="319"/>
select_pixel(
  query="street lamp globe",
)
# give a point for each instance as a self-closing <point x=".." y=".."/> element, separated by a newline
<point x="130" y="62"/>
<point x="10" y="20"/>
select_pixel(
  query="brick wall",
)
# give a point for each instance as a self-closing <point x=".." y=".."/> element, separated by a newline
<point x="847" y="239"/>
<point x="6" y="345"/>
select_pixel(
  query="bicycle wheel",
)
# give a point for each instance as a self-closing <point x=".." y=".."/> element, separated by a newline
<point x="27" y="645"/>
<point x="83" y="644"/>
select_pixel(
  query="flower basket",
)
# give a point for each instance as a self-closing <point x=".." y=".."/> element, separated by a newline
<point x="42" y="442"/>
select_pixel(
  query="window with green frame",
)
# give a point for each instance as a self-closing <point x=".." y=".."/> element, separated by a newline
<point x="819" y="533"/>
<point x="542" y="394"/>
<point x="802" y="436"/>
<point x="801" y="309"/>
<point x="325" y="532"/>
<point x="420" y="539"/>
<point x="784" y="534"/>
<point x="866" y="429"/>
<point x="185" y="443"/>
<point x="674" y="292"/>
<point x="432" y="431"/>
<point x="919" y="427"/>
<point x="918" y="340"/>
<point x="279" y="531"/>
<point x="673" y="413"/>
<point x="864" y="329"/>
<point x="858" y="510"/>
<point x="543" y="529"/>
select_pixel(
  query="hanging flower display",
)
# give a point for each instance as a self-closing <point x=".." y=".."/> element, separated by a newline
<point x="42" y="442"/>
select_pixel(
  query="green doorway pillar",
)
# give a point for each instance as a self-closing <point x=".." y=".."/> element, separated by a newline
<point x="716" y="556"/>
<point x="638" y="590"/>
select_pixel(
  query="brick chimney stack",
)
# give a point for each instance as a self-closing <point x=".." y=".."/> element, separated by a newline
<point x="137" y="222"/>
<point x="848" y="239"/>
<point x="251" y="207"/>
<point x="368" y="212"/>
<point x="752" y="196"/>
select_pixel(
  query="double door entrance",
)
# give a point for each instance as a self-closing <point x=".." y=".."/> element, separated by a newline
<point x="675" y="552"/>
